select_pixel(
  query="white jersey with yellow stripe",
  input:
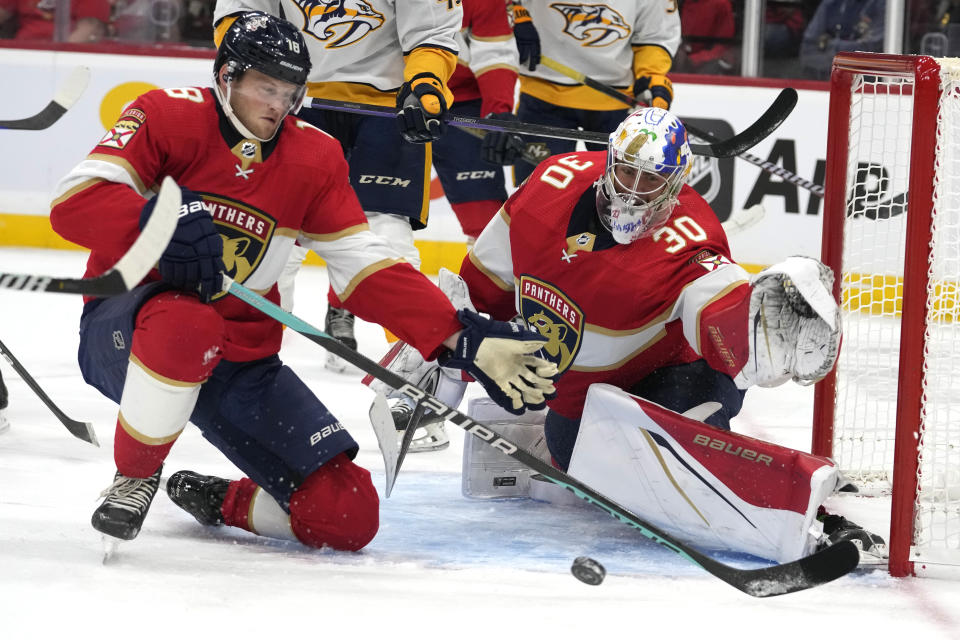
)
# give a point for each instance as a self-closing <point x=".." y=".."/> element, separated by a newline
<point x="358" y="46"/>
<point x="598" y="39"/>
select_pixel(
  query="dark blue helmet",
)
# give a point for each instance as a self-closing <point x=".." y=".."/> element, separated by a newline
<point x="269" y="44"/>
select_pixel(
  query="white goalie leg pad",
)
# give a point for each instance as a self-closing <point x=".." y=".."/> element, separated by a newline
<point x="711" y="488"/>
<point x="490" y="473"/>
<point x="268" y="518"/>
<point x="794" y="324"/>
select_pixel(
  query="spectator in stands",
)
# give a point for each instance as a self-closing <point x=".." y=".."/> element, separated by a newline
<point x="89" y="19"/>
<point x="840" y="25"/>
<point x="708" y="29"/>
<point x="783" y="23"/>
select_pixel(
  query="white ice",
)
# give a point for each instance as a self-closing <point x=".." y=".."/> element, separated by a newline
<point x="441" y="566"/>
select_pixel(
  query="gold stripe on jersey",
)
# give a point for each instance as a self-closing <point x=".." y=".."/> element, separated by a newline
<point x="570" y="96"/>
<point x="336" y="235"/>
<point x="365" y="273"/>
<point x="493" y="67"/>
<point x="86" y="184"/>
<point x="490" y="274"/>
<point x="286" y="232"/>
<point x="125" y="165"/>
<point x="615" y="348"/>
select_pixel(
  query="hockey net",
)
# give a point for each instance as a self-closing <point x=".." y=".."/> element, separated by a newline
<point x="889" y="414"/>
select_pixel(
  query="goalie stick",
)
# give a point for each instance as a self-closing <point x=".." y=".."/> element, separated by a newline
<point x="746" y="139"/>
<point x="129" y="270"/>
<point x="818" y="568"/>
<point x="775" y="114"/>
<point x="65" y="97"/>
<point x="82" y="430"/>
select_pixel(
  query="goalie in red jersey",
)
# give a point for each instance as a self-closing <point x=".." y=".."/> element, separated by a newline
<point x="627" y="273"/>
<point x="255" y="180"/>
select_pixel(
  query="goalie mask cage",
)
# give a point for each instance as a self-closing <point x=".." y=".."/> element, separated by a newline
<point x="889" y="414"/>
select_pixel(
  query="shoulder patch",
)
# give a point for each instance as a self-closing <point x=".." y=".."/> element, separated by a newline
<point x="709" y="260"/>
<point x="120" y="134"/>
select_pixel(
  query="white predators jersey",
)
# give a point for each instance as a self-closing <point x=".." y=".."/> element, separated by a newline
<point x="597" y="39"/>
<point x="360" y="42"/>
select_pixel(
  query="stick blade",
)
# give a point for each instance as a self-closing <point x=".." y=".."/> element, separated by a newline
<point x="156" y="234"/>
<point x="766" y="124"/>
<point x="73" y="87"/>
<point x="386" y="434"/>
<point x="814" y="570"/>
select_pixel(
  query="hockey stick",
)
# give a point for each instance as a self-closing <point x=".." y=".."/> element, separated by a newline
<point x="532" y="152"/>
<point x="818" y="568"/>
<point x="65" y="97"/>
<point x="737" y="146"/>
<point x="82" y="430"/>
<point x="129" y="270"/>
<point x="486" y="124"/>
<point x="742" y="219"/>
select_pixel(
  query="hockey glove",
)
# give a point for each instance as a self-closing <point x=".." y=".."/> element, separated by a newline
<point x="498" y="356"/>
<point x="655" y="91"/>
<point x="193" y="261"/>
<point x="421" y="109"/>
<point x="501" y="147"/>
<point x="528" y="40"/>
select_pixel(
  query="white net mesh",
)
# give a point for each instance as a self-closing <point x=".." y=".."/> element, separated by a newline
<point x="868" y="372"/>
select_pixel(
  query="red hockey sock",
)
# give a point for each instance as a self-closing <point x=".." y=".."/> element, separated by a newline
<point x="474" y="216"/>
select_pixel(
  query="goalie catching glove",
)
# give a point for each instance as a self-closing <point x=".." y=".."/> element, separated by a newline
<point x="794" y="324"/>
<point x="499" y="356"/>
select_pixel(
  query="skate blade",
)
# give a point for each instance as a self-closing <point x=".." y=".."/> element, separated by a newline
<point x="110" y="546"/>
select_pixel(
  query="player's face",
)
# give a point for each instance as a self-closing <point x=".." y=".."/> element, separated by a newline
<point x="642" y="186"/>
<point x="261" y="102"/>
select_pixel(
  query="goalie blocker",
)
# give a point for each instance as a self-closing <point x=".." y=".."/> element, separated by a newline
<point x="711" y="488"/>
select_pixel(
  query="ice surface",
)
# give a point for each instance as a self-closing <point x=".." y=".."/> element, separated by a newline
<point x="441" y="566"/>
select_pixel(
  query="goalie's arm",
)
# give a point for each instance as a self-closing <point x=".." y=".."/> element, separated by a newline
<point x="782" y="324"/>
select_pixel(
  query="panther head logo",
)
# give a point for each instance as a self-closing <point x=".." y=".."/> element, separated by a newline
<point x="339" y="23"/>
<point x="594" y="25"/>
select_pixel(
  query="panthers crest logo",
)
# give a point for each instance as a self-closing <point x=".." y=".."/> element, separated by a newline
<point x="594" y="25"/>
<point x="245" y="231"/>
<point x="551" y="313"/>
<point x="339" y="23"/>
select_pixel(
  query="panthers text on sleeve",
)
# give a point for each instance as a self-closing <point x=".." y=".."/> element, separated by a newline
<point x="611" y="313"/>
<point x="263" y="197"/>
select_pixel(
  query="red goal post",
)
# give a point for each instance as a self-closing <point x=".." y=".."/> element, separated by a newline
<point x="889" y="414"/>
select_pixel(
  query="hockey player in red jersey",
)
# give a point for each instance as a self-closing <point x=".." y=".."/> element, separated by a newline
<point x="255" y="180"/>
<point x="626" y="271"/>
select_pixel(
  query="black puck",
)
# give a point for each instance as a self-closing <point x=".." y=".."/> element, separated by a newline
<point x="588" y="571"/>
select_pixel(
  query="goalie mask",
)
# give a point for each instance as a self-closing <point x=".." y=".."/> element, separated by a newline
<point x="275" y="48"/>
<point x="648" y="161"/>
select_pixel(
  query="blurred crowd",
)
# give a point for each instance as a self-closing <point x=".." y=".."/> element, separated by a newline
<point x="800" y="37"/>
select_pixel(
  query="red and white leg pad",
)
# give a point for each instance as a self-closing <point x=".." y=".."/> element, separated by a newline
<point x="711" y="488"/>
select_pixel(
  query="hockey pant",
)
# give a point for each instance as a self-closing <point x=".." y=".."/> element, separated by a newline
<point x="158" y="354"/>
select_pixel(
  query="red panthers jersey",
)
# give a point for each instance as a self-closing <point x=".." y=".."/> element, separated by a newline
<point x="487" y="62"/>
<point x="611" y="313"/>
<point x="264" y="197"/>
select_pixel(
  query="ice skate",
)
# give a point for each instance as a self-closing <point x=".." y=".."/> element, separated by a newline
<point x="200" y="496"/>
<point x="873" y="548"/>
<point x="430" y="433"/>
<point x="125" y="505"/>
<point x="339" y="324"/>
